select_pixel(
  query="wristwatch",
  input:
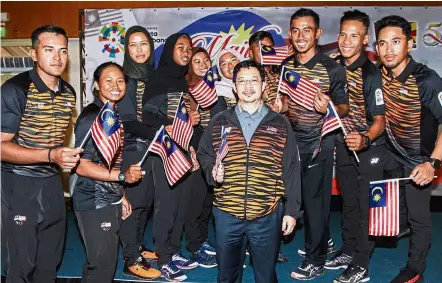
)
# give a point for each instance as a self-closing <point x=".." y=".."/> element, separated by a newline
<point x="367" y="141"/>
<point x="435" y="163"/>
<point x="122" y="178"/>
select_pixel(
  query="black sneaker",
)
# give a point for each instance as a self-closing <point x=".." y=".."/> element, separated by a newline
<point x="353" y="274"/>
<point x="203" y="259"/>
<point x="331" y="249"/>
<point x="172" y="273"/>
<point x="307" y="271"/>
<point x="408" y="276"/>
<point x="339" y="260"/>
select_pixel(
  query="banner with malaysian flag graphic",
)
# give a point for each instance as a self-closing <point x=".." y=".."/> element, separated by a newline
<point x="106" y="132"/>
<point x="223" y="148"/>
<point x="273" y="55"/>
<point x="300" y="89"/>
<point x="331" y="123"/>
<point x="182" y="129"/>
<point x="384" y="208"/>
<point x="204" y="91"/>
<point x="174" y="161"/>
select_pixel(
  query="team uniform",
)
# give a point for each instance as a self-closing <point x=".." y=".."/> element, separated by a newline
<point x="365" y="101"/>
<point x="307" y="125"/>
<point x="33" y="208"/>
<point x="413" y="103"/>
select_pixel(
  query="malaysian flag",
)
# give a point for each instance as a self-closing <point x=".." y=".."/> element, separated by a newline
<point x="273" y="55"/>
<point x="384" y="208"/>
<point x="174" y="161"/>
<point x="331" y="123"/>
<point x="223" y="148"/>
<point x="300" y="89"/>
<point x="182" y="129"/>
<point x="204" y="91"/>
<point x="106" y="132"/>
<point x="97" y="19"/>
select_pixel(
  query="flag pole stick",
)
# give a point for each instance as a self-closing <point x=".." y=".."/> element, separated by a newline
<point x="396" y="179"/>
<point x="278" y="96"/>
<point x="343" y="129"/>
<point x="260" y="51"/>
<point x="150" y="146"/>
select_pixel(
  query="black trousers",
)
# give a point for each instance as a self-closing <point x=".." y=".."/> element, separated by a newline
<point x="140" y="196"/>
<point x="417" y="200"/>
<point x="170" y="211"/>
<point x="99" y="230"/>
<point x="33" y="227"/>
<point x="194" y="201"/>
<point x="206" y="214"/>
<point x="354" y="180"/>
<point x="263" y="235"/>
<point x="316" y="202"/>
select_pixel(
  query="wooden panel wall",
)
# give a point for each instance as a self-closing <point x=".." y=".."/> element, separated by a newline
<point x="26" y="16"/>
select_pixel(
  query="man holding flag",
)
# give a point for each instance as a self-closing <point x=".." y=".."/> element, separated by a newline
<point x="364" y="124"/>
<point x="307" y="124"/>
<point x="413" y="103"/>
<point x="257" y="185"/>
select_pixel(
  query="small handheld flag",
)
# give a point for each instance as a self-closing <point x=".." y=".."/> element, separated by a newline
<point x="204" y="91"/>
<point x="175" y="163"/>
<point x="300" y="89"/>
<point x="106" y="131"/>
<point x="384" y="208"/>
<point x="273" y="55"/>
<point x="182" y="129"/>
<point x="223" y="148"/>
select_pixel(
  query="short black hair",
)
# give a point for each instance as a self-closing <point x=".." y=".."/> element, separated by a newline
<point x="303" y="12"/>
<point x="99" y="70"/>
<point x="47" y="28"/>
<point x="246" y="64"/>
<point x="356" y="15"/>
<point x="393" y="21"/>
<point x="260" y="35"/>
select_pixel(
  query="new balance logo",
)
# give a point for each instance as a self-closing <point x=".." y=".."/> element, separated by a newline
<point x="374" y="160"/>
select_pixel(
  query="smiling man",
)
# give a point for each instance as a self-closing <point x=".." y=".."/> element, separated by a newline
<point x="316" y="173"/>
<point x="413" y="110"/>
<point x="36" y="111"/>
<point x="365" y="124"/>
<point x="260" y="170"/>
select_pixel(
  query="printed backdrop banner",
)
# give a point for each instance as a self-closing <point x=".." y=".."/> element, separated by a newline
<point x="216" y="28"/>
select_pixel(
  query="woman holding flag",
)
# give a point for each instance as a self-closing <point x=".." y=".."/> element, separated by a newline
<point x="98" y="196"/>
<point x="162" y="98"/>
<point x="138" y="66"/>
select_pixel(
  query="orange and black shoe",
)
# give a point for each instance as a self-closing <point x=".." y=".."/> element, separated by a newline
<point x="141" y="270"/>
<point x="148" y="255"/>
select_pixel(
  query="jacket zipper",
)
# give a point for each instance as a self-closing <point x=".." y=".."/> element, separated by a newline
<point x="247" y="179"/>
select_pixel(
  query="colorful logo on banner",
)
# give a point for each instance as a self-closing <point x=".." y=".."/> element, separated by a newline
<point x="112" y="36"/>
<point x="433" y="35"/>
<point x="414" y="33"/>
<point x="231" y="28"/>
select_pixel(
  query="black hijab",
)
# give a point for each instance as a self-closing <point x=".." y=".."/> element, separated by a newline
<point x="169" y="76"/>
<point x="132" y="69"/>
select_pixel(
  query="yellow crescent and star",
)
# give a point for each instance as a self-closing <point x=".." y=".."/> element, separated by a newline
<point x="291" y="78"/>
<point x="266" y="48"/>
<point x="166" y="141"/>
<point x="109" y="120"/>
<point x="377" y="196"/>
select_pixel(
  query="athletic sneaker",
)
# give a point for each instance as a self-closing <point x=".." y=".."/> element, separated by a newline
<point x="172" y="273"/>
<point x="203" y="259"/>
<point x="148" y="255"/>
<point x="331" y="249"/>
<point x="353" y="274"/>
<point x="282" y="258"/>
<point x="208" y="248"/>
<point x="183" y="263"/>
<point x="339" y="260"/>
<point x="141" y="270"/>
<point x="307" y="271"/>
<point x="408" y="276"/>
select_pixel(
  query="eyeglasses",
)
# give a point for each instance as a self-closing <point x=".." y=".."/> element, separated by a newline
<point x="253" y="82"/>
